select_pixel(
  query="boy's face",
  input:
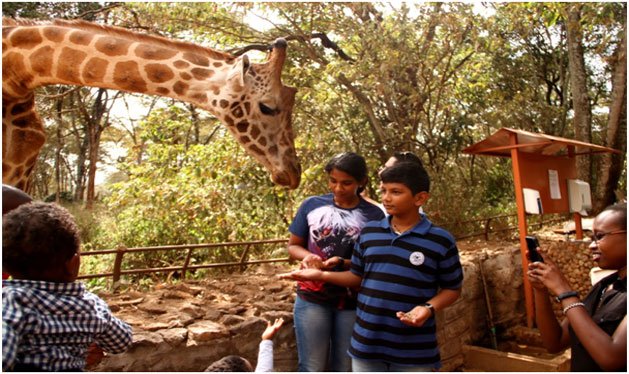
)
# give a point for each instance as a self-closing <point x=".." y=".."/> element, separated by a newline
<point x="399" y="200"/>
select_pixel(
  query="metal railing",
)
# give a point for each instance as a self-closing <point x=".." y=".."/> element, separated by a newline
<point x="117" y="272"/>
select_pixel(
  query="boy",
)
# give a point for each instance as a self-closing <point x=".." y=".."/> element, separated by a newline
<point x="265" y="354"/>
<point x="407" y="269"/>
<point x="48" y="319"/>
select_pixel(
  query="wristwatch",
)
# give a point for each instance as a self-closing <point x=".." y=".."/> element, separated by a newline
<point x="341" y="265"/>
<point x="565" y="295"/>
<point x="430" y="307"/>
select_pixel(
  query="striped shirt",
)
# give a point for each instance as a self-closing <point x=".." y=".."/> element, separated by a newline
<point x="50" y="325"/>
<point x="398" y="273"/>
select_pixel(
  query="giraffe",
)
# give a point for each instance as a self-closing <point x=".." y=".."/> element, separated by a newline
<point x="248" y="98"/>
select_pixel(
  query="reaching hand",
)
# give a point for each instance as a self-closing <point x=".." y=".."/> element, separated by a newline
<point x="547" y="275"/>
<point x="416" y="317"/>
<point x="302" y="275"/>
<point x="94" y="355"/>
<point x="272" y="329"/>
<point x="332" y="262"/>
<point x="312" y="261"/>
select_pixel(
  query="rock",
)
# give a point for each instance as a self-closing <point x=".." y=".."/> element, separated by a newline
<point x="175" y="336"/>
<point x="143" y="338"/>
<point x="155" y="326"/>
<point x="204" y="331"/>
<point x="153" y="307"/>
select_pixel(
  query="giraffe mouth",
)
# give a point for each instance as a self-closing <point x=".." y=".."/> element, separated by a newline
<point x="289" y="179"/>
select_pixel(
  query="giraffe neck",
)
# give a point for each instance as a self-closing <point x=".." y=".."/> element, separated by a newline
<point x="84" y="54"/>
<point x="248" y="98"/>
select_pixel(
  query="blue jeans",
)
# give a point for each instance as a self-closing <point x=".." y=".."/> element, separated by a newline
<point x="323" y="334"/>
<point x="381" y="366"/>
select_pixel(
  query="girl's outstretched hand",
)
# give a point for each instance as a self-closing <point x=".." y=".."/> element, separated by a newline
<point x="302" y="275"/>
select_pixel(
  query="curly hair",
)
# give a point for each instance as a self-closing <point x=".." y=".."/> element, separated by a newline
<point x="37" y="237"/>
<point x="230" y="363"/>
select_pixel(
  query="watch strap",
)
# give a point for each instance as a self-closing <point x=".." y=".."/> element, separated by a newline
<point x="566" y="295"/>
<point x="430" y="307"/>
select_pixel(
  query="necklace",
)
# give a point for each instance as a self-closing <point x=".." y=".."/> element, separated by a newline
<point x="399" y="230"/>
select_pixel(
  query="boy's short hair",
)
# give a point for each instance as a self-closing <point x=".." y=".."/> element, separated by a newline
<point x="230" y="363"/>
<point x="410" y="174"/>
<point x="407" y="156"/>
<point x="37" y="237"/>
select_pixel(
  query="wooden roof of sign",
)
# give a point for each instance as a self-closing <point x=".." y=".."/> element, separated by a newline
<point x="498" y="144"/>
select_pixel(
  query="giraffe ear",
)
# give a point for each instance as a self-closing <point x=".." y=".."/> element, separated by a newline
<point x="238" y="71"/>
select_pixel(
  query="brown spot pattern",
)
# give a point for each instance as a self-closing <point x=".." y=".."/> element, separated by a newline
<point x="127" y="76"/>
<point x="185" y="76"/>
<point x="255" y="132"/>
<point x="273" y="150"/>
<point x="22" y="107"/>
<point x="80" y="37"/>
<point x="237" y="111"/>
<point x="55" y="34"/>
<point x="217" y="64"/>
<point x="69" y="69"/>
<point x="113" y="46"/>
<point x="256" y="150"/>
<point x="242" y="126"/>
<point x="150" y="52"/>
<point x="180" y="87"/>
<point x="94" y="70"/>
<point x="158" y="73"/>
<point x="201" y="74"/>
<point x="180" y="64"/>
<point x="26" y="38"/>
<point x="223" y="103"/>
<point x="196" y="59"/>
<point x="41" y="61"/>
<point x="200" y="97"/>
<point x="162" y="90"/>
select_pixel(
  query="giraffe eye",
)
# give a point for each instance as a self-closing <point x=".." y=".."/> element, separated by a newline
<point x="267" y="110"/>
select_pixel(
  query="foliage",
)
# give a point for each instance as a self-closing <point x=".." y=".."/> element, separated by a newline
<point x="431" y="78"/>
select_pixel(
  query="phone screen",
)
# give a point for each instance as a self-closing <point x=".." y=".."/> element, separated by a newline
<point x="532" y="245"/>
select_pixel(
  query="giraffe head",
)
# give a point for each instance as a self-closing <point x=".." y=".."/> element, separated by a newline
<point x="257" y="108"/>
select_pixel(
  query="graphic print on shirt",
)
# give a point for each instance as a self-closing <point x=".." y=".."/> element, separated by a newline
<point x="334" y="231"/>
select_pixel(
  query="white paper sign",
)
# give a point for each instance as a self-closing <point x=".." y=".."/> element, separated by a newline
<point x="553" y="182"/>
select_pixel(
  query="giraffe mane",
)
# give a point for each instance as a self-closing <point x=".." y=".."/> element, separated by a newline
<point x="123" y="33"/>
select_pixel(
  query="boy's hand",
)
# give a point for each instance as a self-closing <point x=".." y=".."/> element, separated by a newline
<point x="416" y="317"/>
<point x="94" y="355"/>
<point x="272" y="329"/>
<point x="303" y="275"/>
<point x="333" y="262"/>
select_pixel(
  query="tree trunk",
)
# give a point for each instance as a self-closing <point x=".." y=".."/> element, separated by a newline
<point x="578" y="83"/>
<point x="612" y="164"/>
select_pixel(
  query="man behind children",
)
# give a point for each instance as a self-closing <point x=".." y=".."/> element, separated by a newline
<point x="48" y="319"/>
<point x="406" y="268"/>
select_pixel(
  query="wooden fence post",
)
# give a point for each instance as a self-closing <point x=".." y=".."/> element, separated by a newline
<point x="487" y="226"/>
<point x="120" y="251"/>
<point x="186" y="263"/>
<point x="244" y="257"/>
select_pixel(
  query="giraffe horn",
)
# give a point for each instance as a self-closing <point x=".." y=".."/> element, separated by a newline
<point x="277" y="57"/>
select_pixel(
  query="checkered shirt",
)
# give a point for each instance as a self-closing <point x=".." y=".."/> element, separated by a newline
<point x="51" y="325"/>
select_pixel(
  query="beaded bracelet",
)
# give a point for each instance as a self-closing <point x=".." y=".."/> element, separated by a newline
<point x="573" y="305"/>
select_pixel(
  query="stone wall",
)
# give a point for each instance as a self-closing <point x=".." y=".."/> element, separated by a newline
<point x="187" y="326"/>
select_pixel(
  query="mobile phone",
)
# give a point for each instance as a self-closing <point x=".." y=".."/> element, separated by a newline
<point x="532" y="244"/>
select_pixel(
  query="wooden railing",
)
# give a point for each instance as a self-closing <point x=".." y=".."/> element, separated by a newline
<point x="117" y="272"/>
<point x="119" y="253"/>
